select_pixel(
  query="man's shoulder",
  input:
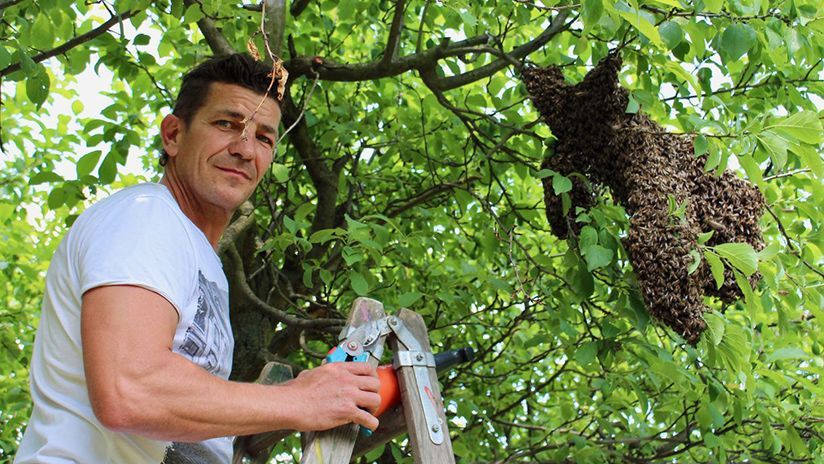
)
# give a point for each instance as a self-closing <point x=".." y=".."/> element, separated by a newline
<point x="139" y="193"/>
<point x="132" y="202"/>
<point x="131" y="211"/>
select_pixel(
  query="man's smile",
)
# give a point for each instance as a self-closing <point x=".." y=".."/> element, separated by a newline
<point x="237" y="172"/>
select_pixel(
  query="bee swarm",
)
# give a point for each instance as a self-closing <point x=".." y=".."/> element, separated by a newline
<point x="644" y="166"/>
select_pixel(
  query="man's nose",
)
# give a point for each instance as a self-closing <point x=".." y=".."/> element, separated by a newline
<point x="243" y="146"/>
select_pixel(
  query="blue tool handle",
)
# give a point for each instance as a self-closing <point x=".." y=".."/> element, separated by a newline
<point x="339" y="355"/>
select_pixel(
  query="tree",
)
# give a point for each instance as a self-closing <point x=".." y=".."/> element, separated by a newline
<point x="410" y="171"/>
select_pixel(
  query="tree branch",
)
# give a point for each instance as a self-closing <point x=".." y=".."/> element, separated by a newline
<point x="298" y="6"/>
<point x="329" y="70"/>
<point x="326" y="183"/>
<point x="423" y="61"/>
<point x="275" y="19"/>
<point x="394" y="33"/>
<point x="427" y="195"/>
<point x="555" y="26"/>
<point x="79" y="40"/>
<point x="786" y="174"/>
<point x="8" y="3"/>
<point x="241" y="224"/>
<point x="214" y="37"/>
<point x="239" y="276"/>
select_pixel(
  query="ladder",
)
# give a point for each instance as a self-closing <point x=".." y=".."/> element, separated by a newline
<point x="367" y="332"/>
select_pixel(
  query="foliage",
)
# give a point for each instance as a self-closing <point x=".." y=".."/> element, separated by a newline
<point x="414" y="177"/>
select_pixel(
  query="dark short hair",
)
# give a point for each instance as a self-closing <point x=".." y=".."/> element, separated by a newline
<point x="238" y="69"/>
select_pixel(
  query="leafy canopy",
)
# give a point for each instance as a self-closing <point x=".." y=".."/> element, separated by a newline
<point x="412" y="175"/>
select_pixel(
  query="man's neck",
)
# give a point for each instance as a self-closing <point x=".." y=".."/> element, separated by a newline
<point x="212" y="221"/>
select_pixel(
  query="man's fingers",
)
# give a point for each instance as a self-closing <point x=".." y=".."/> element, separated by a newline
<point x="367" y="420"/>
<point x="370" y="384"/>
<point x="360" y="368"/>
<point x="367" y="400"/>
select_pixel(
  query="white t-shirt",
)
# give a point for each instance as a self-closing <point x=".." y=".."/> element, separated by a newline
<point x="138" y="236"/>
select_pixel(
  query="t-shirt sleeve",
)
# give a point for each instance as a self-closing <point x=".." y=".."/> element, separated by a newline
<point x="141" y="241"/>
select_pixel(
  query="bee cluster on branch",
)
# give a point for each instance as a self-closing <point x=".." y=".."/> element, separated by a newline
<point x="645" y="168"/>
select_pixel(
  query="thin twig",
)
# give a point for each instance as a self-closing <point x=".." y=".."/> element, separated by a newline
<point x="278" y="71"/>
<point x="302" y="109"/>
<point x="787" y="174"/>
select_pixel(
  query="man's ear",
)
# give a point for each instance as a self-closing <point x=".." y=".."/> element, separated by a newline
<point x="171" y="130"/>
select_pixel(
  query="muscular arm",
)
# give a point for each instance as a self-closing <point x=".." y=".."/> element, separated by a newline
<point x="137" y="384"/>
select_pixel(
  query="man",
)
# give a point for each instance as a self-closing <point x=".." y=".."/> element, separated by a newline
<point x="134" y="345"/>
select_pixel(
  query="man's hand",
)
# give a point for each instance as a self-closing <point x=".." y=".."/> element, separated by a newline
<point x="335" y="394"/>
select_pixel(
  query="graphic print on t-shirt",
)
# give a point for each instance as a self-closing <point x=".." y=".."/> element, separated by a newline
<point x="207" y="340"/>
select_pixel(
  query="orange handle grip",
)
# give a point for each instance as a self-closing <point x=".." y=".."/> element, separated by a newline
<point x="389" y="390"/>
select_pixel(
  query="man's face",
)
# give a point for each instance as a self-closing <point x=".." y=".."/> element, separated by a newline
<point x="217" y="159"/>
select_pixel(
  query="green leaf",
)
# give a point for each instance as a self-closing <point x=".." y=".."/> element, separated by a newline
<point x="704" y="237"/>
<point x="713" y="6"/>
<point x="797" y="445"/>
<point x="37" y="87"/>
<point x="290" y="224"/>
<point x="700" y="145"/>
<point x="42" y="33"/>
<point x="588" y="237"/>
<point x="561" y="184"/>
<point x="716" y="267"/>
<point x="782" y="354"/>
<point x="685" y="76"/>
<point x="737" y="40"/>
<point x="57" y="197"/>
<point x="468" y="18"/>
<point x="644" y="22"/>
<point x="734" y="350"/>
<point x="741" y="256"/>
<point x="586" y="353"/>
<point x="193" y="14"/>
<point x="29" y="67"/>
<point x="671" y="34"/>
<point x="803" y="126"/>
<point x="44" y="177"/>
<point x="591" y="12"/>
<point x="324" y="235"/>
<point x="5" y="57"/>
<point x="108" y="169"/>
<point x="281" y="172"/>
<point x="408" y="299"/>
<point x="77" y="107"/>
<point x="583" y="282"/>
<point x="375" y="453"/>
<point x="307" y="276"/>
<point x="696" y="261"/>
<point x="632" y="105"/>
<point x="141" y="39"/>
<point x="87" y="163"/>
<point x="810" y="157"/>
<point x="775" y="146"/>
<point x="359" y="284"/>
<point x="597" y="256"/>
<point x="768" y="253"/>
<point x="752" y="169"/>
<point x="715" y="327"/>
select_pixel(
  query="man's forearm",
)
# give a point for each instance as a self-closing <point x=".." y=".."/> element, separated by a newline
<point x="180" y="401"/>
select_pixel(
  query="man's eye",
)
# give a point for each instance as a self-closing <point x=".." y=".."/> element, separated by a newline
<point x="266" y="140"/>
<point x="224" y="123"/>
